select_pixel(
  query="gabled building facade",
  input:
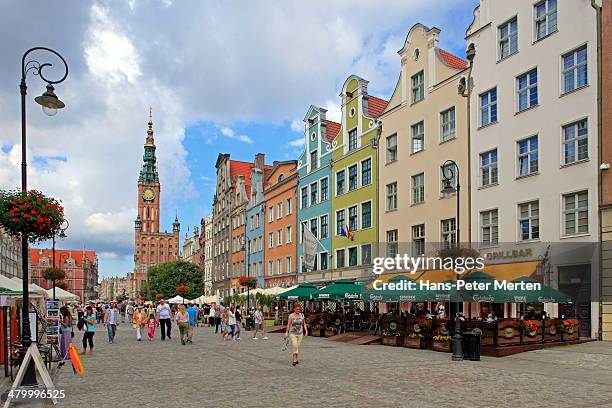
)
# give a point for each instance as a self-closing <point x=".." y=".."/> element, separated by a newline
<point x="354" y="202"/>
<point x="255" y="214"/>
<point x="314" y="199"/>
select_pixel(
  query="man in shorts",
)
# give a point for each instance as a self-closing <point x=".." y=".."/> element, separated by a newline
<point x="258" y="317"/>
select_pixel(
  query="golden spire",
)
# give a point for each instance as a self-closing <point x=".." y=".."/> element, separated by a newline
<point x="150" y="141"/>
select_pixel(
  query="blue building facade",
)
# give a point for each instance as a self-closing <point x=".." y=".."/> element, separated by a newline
<point x="314" y="188"/>
<point x="255" y="223"/>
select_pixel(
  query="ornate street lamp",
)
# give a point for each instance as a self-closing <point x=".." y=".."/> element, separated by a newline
<point x="50" y="104"/>
<point x="245" y="242"/>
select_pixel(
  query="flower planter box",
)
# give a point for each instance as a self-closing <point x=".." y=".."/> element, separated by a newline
<point x="395" y="341"/>
<point x="330" y="332"/>
<point x="414" y="342"/>
<point x="315" y="332"/>
<point x="445" y="346"/>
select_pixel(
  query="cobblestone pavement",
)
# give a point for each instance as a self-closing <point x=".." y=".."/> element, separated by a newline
<point x="214" y="373"/>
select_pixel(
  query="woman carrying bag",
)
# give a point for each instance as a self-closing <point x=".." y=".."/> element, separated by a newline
<point x="296" y="330"/>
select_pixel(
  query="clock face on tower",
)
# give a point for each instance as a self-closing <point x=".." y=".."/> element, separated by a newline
<point x="148" y="194"/>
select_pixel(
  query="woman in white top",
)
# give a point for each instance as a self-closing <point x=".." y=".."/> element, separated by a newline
<point x="211" y="316"/>
<point x="296" y="330"/>
<point x="231" y="322"/>
<point x="182" y="320"/>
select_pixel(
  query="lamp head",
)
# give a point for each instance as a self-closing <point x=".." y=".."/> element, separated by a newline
<point x="49" y="101"/>
<point x="448" y="187"/>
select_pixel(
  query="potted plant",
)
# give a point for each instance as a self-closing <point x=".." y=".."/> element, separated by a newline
<point x="54" y="275"/>
<point x="414" y="340"/>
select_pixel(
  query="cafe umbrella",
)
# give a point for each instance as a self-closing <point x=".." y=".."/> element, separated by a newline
<point x="340" y="290"/>
<point x="301" y="292"/>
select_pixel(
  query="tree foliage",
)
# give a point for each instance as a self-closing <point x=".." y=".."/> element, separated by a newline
<point x="164" y="279"/>
<point x="54" y="274"/>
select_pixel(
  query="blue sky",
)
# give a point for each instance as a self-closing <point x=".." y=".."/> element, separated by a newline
<point x="239" y="81"/>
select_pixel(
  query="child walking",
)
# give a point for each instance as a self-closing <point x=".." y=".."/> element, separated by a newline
<point x="151" y="324"/>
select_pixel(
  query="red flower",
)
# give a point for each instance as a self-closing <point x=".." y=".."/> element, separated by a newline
<point x="12" y="212"/>
<point x="39" y="200"/>
<point x="26" y="216"/>
<point x="14" y="202"/>
<point x="33" y="212"/>
<point x="15" y="219"/>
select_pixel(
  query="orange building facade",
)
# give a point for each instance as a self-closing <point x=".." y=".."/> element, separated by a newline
<point x="280" y="229"/>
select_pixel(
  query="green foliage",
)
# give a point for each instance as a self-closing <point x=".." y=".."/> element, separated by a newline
<point x="54" y="274"/>
<point x="164" y="279"/>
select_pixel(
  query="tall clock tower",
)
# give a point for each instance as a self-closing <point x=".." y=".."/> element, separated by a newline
<point x="151" y="247"/>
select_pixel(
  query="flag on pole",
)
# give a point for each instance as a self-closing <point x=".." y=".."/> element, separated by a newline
<point x="346" y="232"/>
<point x="309" y="248"/>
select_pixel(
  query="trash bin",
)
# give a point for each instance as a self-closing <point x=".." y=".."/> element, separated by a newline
<point x="471" y="345"/>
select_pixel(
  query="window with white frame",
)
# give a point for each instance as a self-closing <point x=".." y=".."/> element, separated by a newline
<point x="391" y="148"/>
<point x="304" y="197"/>
<point x="527" y="90"/>
<point x="391" y="196"/>
<point x="508" y="38"/>
<point x="448" y="229"/>
<point x="314" y="227"/>
<point x="366" y="172"/>
<point x="575" y="142"/>
<point x="270" y="239"/>
<point x="488" y="227"/>
<point x="366" y="215"/>
<point x="418" y="86"/>
<point x="279" y="210"/>
<point x="488" y="107"/>
<point x="314" y="193"/>
<point x="323" y="263"/>
<point x="576" y="213"/>
<point x="314" y="160"/>
<point x="418" y="239"/>
<point x="289" y="264"/>
<point x="324" y="189"/>
<point x="279" y="237"/>
<point x="339" y="221"/>
<point x="418" y="137"/>
<point x="270" y="268"/>
<point x="447" y="124"/>
<point x="527" y="156"/>
<point x="488" y="168"/>
<point x="545" y="15"/>
<point x="289" y="206"/>
<point x="340" y="258"/>
<point x="304" y="227"/>
<point x="279" y="266"/>
<point x="352" y="171"/>
<point x="289" y="234"/>
<point x="418" y="188"/>
<point x="529" y="220"/>
<point x="340" y="182"/>
<point x="270" y="214"/>
<point x="391" y="247"/>
<point x="352" y="256"/>
<point x="324" y="226"/>
<point x="574" y="69"/>
<point x="352" y="211"/>
<point x="352" y="139"/>
<point x="366" y="254"/>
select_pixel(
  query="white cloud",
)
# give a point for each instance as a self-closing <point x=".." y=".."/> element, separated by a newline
<point x="297" y="125"/>
<point x="229" y="133"/>
<point x="334" y="110"/>
<point x="297" y="142"/>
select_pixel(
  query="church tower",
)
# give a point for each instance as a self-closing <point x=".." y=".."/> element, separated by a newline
<point x="151" y="247"/>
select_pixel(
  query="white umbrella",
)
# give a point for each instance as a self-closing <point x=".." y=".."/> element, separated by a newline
<point x="177" y="300"/>
<point x="34" y="288"/>
<point x="273" y="291"/>
<point x="252" y="292"/>
<point x="61" y="294"/>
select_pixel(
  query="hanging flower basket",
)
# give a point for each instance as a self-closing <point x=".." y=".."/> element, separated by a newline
<point x="32" y="213"/>
<point x="247" y="281"/>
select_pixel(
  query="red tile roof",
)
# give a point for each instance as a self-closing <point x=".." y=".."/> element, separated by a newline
<point x="244" y="169"/>
<point x="60" y="256"/>
<point x="376" y="106"/>
<point x="452" y="60"/>
<point x="333" y="128"/>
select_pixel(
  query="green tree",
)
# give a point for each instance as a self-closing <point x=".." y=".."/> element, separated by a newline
<point x="165" y="277"/>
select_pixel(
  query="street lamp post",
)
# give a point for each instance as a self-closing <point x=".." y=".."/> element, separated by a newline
<point x="50" y="104"/>
<point x="450" y="173"/>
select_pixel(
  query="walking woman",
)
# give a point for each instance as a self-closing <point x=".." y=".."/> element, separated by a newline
<point x="66" y="330"/>
<point x="139" y="321"/>
<point x="90" y="321"/>
<point x="296" y="330"/>
<point x="182" y="320"/>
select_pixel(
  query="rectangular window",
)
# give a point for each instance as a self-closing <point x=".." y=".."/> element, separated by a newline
<point x="418" y="188"/>
<point x="323" y="257"/>
<point x="448" y="232"/>
<point x="352" y="177"/>
<point x="391" y="249"/>
<point x="527" y="90"/>
<point x="314" y="227"/>
<point x="340" y="258"/>
<point x="488" y="107"/>
<point x="508" y="38"/>
<point x="366" y="254"/>
<point x="353" y="226"/>
<point x="314" y="192"/>
<point x="488" y="227"/>
<point x="418" y="87"/>
<point x="392" y="196"/>
<point x="391" y="148"/>
<point x="447" y="124"/>
<point x="304" y="227"/>
<point x="279" y="266"/>
<point x="418" y="240"/>
<point x="545" y="14"/>
<point x="488" y="167"/>
<point x="352" y="140"/>
<point x="418" y="137"/>
<point x="289" y="234"/>
<point x="529" y="220"/>
<point x="279" y="210"/>
<point x="324" y="189"/>
<point x="576" y="213"/>
<point x="366" y="172"/>
<point x="575" y="69"/>
<point x="279" y="237"/>
<point x="270" y="267"/>
<point x="314" y="160"/>
<point x="289" y="206"/>
<point x="339" y="221"/>
<point x="366" y="215"/>
<point x="575" y="142"/>
<point x="527" y="156"/>
<point x="324" y="226"/>
<point x="352" y="255"/>
<point x="340" y="182"/>
<point x="270" y="239"/>
<point x="304" y="197"/>
<point x="270" y="214"/>
<point x="289" y="264"/>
